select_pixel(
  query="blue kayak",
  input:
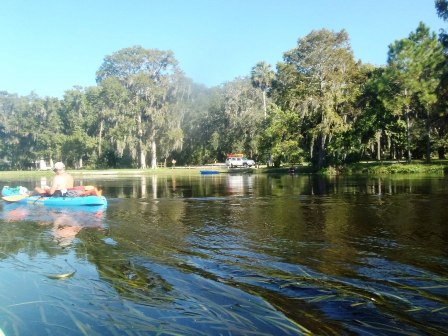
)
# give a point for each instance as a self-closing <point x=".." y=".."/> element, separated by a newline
<point x="21" y="195"/>
<point x="209" y="172"/>
<point x="64" y="201"/>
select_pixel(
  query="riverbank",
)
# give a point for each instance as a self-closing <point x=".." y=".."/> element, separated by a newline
<point x="390" y="167"/>
<point x="369" y="168"/>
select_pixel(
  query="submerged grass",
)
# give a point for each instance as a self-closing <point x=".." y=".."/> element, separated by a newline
<point x="398" y="301"/>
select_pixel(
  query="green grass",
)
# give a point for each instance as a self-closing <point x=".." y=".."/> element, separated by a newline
<point x="390" y="167"/>
<point x="177" y="171"/>
<point x="404" y="168"/>
<point x="370" y="168"/>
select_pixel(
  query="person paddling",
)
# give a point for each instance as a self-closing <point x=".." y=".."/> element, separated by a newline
<point x="61" y="182"/>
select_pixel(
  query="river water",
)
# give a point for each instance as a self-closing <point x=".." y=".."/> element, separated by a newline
<point x="230" y="254"/>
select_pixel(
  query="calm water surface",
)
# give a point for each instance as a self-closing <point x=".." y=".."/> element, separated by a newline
<point x="230" y="254"/>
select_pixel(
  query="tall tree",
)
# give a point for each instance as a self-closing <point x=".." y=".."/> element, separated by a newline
<point x="282" y="138"/>
<point x="172" y="138"/>
<point x="78" y="118"/>
<point x="317" y="81"/>
<point x="243" y="113"/>
<point x="262" y="76"/>
<point x="378" y="129"/>
<point x="416" y="65"/>
<point x="114" y="118"/>
<point x="148" y="75"/>
<point x="16" y="129"/>
<point x="48" y="127"/>
<point x="198" y="123"/>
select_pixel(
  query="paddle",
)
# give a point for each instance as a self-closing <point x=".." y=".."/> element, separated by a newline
<point x="14" y="198"/>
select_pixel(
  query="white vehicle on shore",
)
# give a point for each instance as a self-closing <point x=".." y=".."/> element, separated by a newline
<point x="235" y="161"/>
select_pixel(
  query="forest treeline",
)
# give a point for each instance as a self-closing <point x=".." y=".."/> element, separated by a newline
<point x="319" y="105"/>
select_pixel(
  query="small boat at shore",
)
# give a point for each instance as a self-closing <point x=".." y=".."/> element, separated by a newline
<point x="209" y="172"/>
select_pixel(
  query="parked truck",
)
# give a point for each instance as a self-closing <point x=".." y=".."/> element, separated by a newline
<point x="239" y="160"/>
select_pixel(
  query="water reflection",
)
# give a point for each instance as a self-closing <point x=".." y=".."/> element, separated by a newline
<point x="239" y="253"/>
<point x="65" y="223"/>
<point x="239" y="185"/>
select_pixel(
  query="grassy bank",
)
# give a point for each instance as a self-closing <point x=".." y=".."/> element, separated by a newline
<point x="390" y="167"/>
<point x="104" y="172"/>
<point x="177" y="171"/>
<point x="370" y="168"/>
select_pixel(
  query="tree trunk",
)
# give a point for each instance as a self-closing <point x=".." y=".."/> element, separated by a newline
<point x="141" y="146"/>
<point x="142" y="155"/>
<point x="311" y="147"/>
<point x="153" y="154"/>
<point x="322" y="154"/>
<point x="389" y="145"/>
<point x="408" y="136"/>
<point x="394" y="151"/>
<point x="264" y="104"/>
<point x="378" y="146"/>
<point x="428" y="138"/>
<point x="100" y="138"/>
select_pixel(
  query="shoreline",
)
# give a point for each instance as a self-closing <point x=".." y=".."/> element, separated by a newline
<point x="360" y="168"/>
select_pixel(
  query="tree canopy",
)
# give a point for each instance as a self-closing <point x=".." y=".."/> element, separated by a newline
<point x="319" y="105"/>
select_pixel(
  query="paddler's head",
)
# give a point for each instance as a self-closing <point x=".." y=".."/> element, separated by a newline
<point x="58" y="167"/>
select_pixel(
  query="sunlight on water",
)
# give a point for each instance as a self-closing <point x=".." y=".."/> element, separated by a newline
<point x="236" y="254"/>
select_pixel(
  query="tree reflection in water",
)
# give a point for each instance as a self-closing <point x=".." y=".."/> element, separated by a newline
<point x="237" y="253"/>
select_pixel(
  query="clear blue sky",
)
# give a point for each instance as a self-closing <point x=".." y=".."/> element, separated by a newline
<point x="49" y="46"/>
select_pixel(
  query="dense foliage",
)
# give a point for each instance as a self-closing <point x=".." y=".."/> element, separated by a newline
<point x="319" y="106"/>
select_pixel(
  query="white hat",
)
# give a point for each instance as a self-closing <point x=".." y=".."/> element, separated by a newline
<point x="59" y="166"/>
